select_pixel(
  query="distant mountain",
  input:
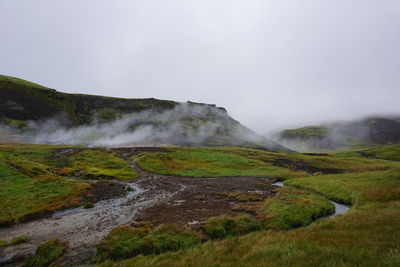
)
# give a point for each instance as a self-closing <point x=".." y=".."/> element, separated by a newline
<point x="33" y="113"/>
<point x="337" y="135"/>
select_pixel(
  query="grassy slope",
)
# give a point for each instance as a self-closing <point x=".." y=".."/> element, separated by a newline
<point x="21" y="82"/>
<point x="388" y="152"/>
<point x="368" y="235"/>
<point x="32" y="181"/>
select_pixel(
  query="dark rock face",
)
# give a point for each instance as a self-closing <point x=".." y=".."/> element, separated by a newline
<point x="383" y="130"/>
<point x="19" y="101"/>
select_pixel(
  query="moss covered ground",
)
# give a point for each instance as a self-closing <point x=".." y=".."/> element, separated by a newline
<point x="46" y="254"/>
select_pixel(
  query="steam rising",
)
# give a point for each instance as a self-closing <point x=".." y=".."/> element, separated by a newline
<point x="187" y="124"/>
<point x="338" y="135"/>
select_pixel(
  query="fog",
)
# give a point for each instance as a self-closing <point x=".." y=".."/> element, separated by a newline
<point x="185" y="124"/>
<point x="339" y="135"/>
<point x="271" y="64"/>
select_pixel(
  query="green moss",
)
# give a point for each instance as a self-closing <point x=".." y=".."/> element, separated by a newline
<point x="47" y="253"/>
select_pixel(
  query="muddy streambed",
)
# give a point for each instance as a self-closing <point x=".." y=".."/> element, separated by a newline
<point x="339" y="208"/>
<point x="79" y="227"/>
<point x="159" y="199"/>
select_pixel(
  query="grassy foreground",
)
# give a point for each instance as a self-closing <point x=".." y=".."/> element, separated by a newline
<point x="368" y="235"/>
<point x="37" y="179"/>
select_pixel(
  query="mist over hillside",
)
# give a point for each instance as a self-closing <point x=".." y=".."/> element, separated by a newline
<point x="35" y="114"/>
<point x="342" y="134"/>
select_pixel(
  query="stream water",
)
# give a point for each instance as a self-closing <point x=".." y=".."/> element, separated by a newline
<point x="339" y="208"/>
<point x="132" y="189"/>
<point x="80" y="227"/>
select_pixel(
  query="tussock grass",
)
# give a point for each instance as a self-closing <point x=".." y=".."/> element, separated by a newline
<point x="367" y="237"/>
<point x="124" y="241"/>
<point x="224" y="226"/>
<point x="47" y="253"/>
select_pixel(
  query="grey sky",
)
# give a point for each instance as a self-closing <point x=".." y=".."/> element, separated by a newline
<point x="271" y="63"/>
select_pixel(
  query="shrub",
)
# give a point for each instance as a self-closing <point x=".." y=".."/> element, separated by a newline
<point x="224" y="226"/>
<point x="170" y="238"/>
<point x="47" y="253"/>
<point x="125" y="242"/>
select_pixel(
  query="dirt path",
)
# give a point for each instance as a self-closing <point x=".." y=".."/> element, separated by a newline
<point x="155" y="198"/>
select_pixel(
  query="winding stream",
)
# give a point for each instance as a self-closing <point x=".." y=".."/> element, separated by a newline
<point x="339" y="208"/>
<point x="131" y="193"/>
<point x="80" y="227"/>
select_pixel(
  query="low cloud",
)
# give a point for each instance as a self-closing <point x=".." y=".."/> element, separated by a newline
<point x="186" y="124"/>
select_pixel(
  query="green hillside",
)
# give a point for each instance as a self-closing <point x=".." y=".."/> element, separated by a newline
<point x="25" y="108"/>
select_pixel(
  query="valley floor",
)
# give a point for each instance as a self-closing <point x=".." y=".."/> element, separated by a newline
<point x="175" y="187"/>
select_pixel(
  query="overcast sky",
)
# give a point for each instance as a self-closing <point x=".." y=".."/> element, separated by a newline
<point x="271" y="63"/>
